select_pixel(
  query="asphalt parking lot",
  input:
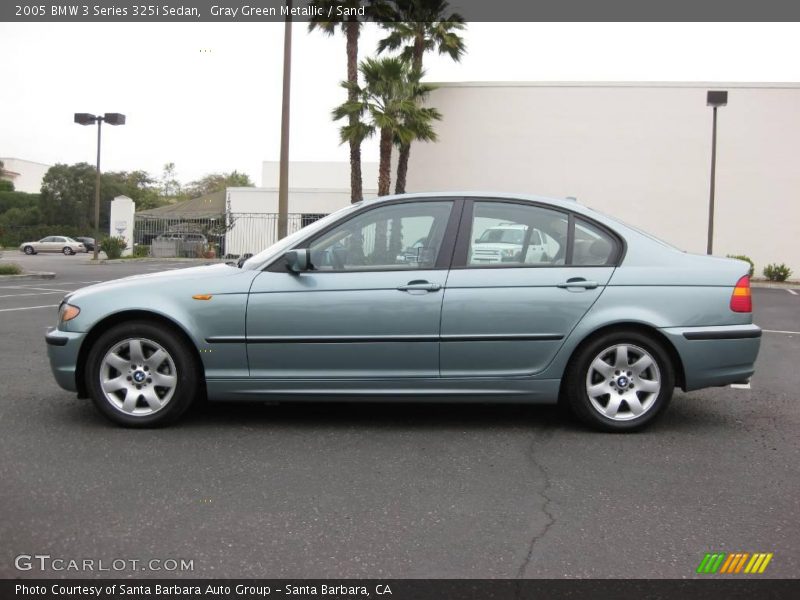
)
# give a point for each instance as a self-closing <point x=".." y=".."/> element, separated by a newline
<point x="372" y="490"/>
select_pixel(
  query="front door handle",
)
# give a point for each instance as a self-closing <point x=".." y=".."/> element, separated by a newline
<point x="419" y="285"/>
<point x="578" y="282"/>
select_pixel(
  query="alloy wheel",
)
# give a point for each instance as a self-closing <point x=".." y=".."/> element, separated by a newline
<point x="623" y="382"/>
<point x="138" y="377"/>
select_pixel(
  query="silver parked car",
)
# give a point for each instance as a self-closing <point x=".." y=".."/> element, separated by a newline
<point x="605" y="319"/>
<point x="53" y="243"/>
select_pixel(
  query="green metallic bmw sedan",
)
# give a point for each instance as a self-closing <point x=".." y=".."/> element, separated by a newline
<point x="456" y="297"/>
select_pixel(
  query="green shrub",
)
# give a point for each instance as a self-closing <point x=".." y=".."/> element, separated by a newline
<point x="10" y="269"/>
<point x="141" y="251"/>
<point x="745" y="259"/>
<point x="777" y="272"/>
<point x="113" y="246"/>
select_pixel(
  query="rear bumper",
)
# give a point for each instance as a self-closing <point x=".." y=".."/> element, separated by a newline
<point x="62" y="350"/>
<point x="714" y="356"/>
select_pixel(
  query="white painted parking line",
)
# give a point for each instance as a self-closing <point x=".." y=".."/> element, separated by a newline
<point x="34" y="294"/>
<point x="792" y="292"/>
<point x="740" y="386"/>
<point x="29" y="285"/>
<point x="779" y="331"/>
<point x="28" y="308"/>
<point x="35" y="289"/>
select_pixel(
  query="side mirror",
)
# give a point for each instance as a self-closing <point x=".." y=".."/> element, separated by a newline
<point x="298" y="260"/>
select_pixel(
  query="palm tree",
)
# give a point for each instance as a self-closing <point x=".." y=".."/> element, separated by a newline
<point x="351" y="27"/>
<point x="390" y="98"/>
<point x="417" y="27"/>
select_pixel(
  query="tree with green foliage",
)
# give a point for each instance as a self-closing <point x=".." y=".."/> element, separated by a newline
<point x="170" y="186"/>
<point x="390" y="100"/>
<point x="6" y="185"/>
<point x="350" y="26"/>
<point x="215" y="182"/>
<point x="67" y="196"/>
<point x="138" y="185"/>
<point x="417" y="27"/>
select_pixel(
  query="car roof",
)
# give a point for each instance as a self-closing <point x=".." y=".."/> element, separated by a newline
<point x="567" y="204"/>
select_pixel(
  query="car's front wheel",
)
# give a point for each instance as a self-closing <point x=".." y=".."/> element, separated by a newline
<point x="29" y="250"/>
<point x="619" y="381"/>
<point x="67" y="251"/>
<point x="140" y="374"/>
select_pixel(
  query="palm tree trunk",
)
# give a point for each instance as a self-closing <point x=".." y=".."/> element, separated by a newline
<point x="402" y="169"/>
<point x="384" y="169"/>
<point x="356" y="188"/>
<point x="405" y="149"/>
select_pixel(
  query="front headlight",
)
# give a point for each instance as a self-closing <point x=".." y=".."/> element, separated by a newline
<point x="508" y="252"/>
<point x="67" y="312"/>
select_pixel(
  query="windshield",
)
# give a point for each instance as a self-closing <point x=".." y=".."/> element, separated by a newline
<point x="257" y="260"/>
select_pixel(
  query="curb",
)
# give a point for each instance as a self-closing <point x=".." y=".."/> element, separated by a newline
<point x="789" y="285"/>
<point x="35" y="275"/>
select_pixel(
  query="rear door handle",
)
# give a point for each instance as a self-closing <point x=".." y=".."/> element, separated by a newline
<point x="419" y="285"/>
<point x="578" y="282"/>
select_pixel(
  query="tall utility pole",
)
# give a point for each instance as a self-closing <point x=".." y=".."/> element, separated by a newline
<point x="715" y="100"/>
<point x="88" y="119"/>
<point x="283" y="178"/>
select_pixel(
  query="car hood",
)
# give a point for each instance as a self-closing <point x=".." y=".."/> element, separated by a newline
<point x="217" y="278"/>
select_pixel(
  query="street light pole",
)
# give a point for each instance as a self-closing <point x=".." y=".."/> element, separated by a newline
<point x="283" y="177"/>
<point x="715" y="100"/>
<point x="95" y="249"/>
<point x="88" y="119"/>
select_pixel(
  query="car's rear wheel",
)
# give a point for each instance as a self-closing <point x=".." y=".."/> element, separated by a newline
<point x="619" y="381"/>
<point x="141" y="375"/>
<point x="67" y="251"/>
<point x="29" y="250"/>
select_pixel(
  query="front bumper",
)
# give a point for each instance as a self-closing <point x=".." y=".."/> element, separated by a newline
<point x="715" y="356"/>
<point x="63" y="348"/>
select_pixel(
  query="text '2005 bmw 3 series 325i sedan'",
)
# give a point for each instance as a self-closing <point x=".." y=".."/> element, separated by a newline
<point x="437" y="297"/>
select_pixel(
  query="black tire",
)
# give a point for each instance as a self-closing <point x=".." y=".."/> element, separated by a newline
<point x="29" y="250"/>
<point x="67" y="251"/>
<point x="188" y="373"/>
<point x="575" y="387"/>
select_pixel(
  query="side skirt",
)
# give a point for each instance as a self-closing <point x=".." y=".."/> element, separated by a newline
<point x="508" y="390"/>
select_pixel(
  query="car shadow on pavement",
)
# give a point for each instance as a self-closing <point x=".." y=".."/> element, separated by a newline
<point x="376" y="414"/>
<point x="686" y="414"/>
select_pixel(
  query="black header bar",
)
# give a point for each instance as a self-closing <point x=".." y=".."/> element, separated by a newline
<point x="243" y="11"/>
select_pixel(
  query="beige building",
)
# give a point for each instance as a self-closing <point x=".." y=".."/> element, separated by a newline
<point x="640" y="152"/>
<point x="26" y="175"/>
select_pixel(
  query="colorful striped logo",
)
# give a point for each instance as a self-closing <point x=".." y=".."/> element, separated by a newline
<point x="734" y="563"/>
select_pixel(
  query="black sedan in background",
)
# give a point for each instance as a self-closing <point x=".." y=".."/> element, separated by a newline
<point x="88" y="242"/>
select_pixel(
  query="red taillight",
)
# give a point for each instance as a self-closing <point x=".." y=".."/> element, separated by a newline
<point x="741" y="300"/>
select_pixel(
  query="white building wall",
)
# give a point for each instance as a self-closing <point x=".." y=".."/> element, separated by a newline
<point x="640" y="152"/>
<point x="25" y="174"/>
<point x="314" y="188"/>
<point x="319" y="175"/>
